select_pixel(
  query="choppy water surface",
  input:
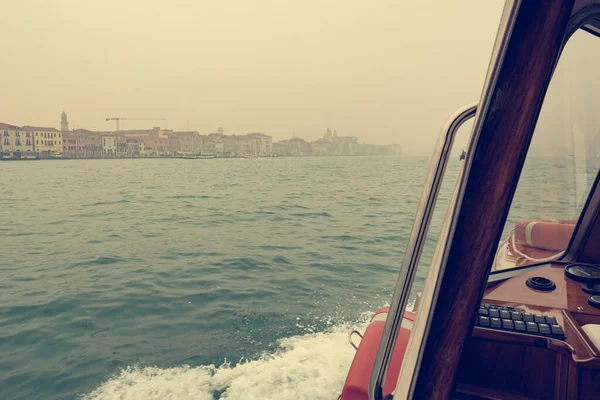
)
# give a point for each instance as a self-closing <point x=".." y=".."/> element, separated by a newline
<point x="210" y="279"/>
<point x="141" y="278"/>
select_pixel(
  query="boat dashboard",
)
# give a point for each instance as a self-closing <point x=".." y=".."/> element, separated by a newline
<point x="559" y="357"/>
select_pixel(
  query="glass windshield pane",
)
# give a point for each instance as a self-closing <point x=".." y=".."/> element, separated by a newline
<point x="561" y="163"/>
<point x="449" y="182"/>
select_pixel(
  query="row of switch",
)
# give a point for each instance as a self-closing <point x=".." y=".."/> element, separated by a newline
<point x="518" y="316"/>
<point x="522" y="326"/>
<point x="518" y="320"/>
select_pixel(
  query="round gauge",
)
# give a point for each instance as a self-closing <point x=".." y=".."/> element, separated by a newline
<point x="594" y="301"/>
<point x="583" y="273"/>
<point x="591" y="288"/>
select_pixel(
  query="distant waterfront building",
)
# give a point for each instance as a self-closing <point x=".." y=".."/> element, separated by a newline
<point x="262" y="144"/>
<point x="237" y="145"/>
<point x="122" y="146"/>
<point x="154" y="146"/>
<point x="346" y="145"/>
<point x="16" y="142"/>
<point x="156" y="131"/>
<point x="109" y="146"/>
<point x="135" y="132"/>
<point x="162" y="133"/>
<point x="73" y="145"/>
<point x="136" y="143"/>
<point x="92" y="142"/>
<point x="213" y="143"/>
<point x="190" y="142"/>
<point x="332" y="145"/>
<point x="64" y="124"/>
<point x="40" y="142"/>
<point x="395" y="148"/>
<point x="323" y="147"/>
<point x="46" y="141"/>
<point x="134" y="147"/>
<point x="250" y="144"/>
<point x="295" y="147"/>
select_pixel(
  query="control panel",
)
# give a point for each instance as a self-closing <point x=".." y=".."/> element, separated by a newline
<point x="518" y="320"/>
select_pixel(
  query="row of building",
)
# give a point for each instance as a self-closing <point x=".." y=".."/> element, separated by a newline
<point x="161" y="143"/>
<point x="331" y="145"/>
<point x="30" y="142"/>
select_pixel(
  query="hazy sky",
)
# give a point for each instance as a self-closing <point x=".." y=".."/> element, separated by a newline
<point x="385" y="71"/>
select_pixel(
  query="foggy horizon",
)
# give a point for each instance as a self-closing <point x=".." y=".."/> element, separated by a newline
<point x="164" y="239"/>
<point x="380" y="73"/>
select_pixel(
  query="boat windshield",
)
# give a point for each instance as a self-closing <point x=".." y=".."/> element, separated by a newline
<point x="561" y="164"/>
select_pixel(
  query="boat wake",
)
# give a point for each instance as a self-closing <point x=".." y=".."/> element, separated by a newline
<point x="312" y="366"/>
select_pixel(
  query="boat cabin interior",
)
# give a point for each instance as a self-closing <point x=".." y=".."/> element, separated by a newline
<point x="510" y="308"/>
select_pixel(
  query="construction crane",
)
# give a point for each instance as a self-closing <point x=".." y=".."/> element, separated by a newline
<point x="133" y="119"/>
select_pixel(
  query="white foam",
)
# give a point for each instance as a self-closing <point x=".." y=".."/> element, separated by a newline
<point x="313" y="366"/>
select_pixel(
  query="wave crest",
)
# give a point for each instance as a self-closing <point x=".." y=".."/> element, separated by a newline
<point x="312" y="366"/>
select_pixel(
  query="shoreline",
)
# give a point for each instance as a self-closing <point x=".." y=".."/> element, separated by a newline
<point x="189" y="157"/>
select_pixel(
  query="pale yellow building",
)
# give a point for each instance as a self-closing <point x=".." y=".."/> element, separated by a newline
<point x="213" y="143"/>
<point x="250" y="144"/>
<point x="109" y="146"/>
<point x="262" y="145"/>
<point x="15" y="139"/>
<point x="47" y="142"/>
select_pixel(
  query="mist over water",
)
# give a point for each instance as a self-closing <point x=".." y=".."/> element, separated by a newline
<point x="127" y="264"/>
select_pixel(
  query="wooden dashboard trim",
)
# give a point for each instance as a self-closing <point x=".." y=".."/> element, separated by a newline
<point x="567" y="303"/>
<point x="567" y="295"/>
<point x="582" y="337"/>
<point x="569" y="369"/>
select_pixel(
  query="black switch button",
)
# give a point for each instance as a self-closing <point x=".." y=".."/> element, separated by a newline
<point x="550" y="320"/>
<point x="532" y="327"/>
<point x="545" y="329"/>
<point x="539" y="319"/>
<point x="508" y="324"/>
<point x="515" y="315"/>
<point x="484" y="321"/>
<point x="505" y="314"/>
<point x="483" y="311"/>
<point x="495" y="323"/>
<point x="527" y="317"/>
<point x="557" y="330"/>
<point x="494" y="313"/>
<point x="520" y="326"/>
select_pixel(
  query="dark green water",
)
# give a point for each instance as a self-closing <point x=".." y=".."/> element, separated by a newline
<point x="212" y="279"/>
<point x="184" y="264"/>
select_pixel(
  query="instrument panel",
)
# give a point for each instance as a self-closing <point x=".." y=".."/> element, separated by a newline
<point x="547" y="364"/>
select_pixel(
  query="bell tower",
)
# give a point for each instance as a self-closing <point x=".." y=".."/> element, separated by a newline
<point x="64" y="124"/>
